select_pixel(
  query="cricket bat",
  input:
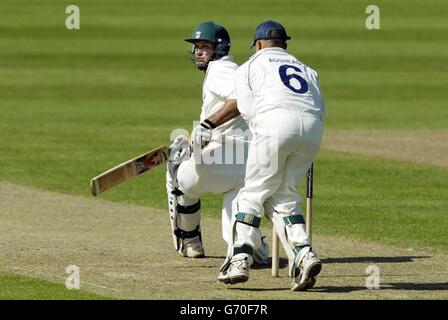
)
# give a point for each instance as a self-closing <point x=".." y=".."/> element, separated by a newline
<point x="129" y="169"/>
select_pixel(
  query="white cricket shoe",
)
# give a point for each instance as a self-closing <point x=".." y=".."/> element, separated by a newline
<point x="308" y="267"/>
<point x="238" y="270"/>
<point x="192" y="248"/>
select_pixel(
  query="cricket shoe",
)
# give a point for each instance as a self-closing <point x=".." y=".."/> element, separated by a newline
<point x="192" y="248"/>
<point x="238" y="270"/>
<point x="308" y="267"/>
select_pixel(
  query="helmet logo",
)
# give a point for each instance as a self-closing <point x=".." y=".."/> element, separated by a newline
<point x="197" y="35"/>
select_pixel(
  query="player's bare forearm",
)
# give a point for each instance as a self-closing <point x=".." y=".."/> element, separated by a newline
<point x="228" y="112"/>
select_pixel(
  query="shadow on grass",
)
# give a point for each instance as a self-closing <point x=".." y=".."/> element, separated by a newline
<point x="214" y="257"/>
<point x="282" y="263"/>
<point x="260" y="289"/>
<point x="377" y="259"/>
<point x="347" y="289"/>
<point x="416" y="286"/>
<point x="385" y="286"/>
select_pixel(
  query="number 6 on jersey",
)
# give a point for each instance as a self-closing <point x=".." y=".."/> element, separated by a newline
<point x="286" y="78"/>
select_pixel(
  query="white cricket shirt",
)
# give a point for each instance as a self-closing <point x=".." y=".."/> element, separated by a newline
<point x="272" y="78"/>
<point x="219" y="86"/>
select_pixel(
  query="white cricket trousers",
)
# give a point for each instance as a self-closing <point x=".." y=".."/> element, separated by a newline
<point x="283" y="147"/>
<point x="194" y="179"/>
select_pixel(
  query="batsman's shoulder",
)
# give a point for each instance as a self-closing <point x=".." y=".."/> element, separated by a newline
<point x="224" y="66"/>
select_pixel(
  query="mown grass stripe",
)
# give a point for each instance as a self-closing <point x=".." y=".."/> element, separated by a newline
<point x="18" y="287"/>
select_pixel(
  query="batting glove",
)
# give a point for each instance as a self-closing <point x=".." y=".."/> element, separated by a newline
<point x="180" y="149"/>
<point x="202" y="134"/>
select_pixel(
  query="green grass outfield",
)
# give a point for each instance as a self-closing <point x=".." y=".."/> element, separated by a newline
<point x="74" y="103"/>
<point x="14" y="287"/>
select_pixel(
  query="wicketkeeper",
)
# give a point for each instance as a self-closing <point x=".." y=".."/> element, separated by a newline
<point x="219" y="154"/>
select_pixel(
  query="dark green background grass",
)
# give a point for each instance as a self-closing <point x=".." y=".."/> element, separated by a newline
<point x="75" y="103"/>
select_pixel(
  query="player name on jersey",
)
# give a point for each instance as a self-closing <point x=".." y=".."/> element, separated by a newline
<point x="293" y="61"/>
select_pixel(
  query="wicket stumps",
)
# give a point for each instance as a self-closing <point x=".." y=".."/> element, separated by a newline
<point x="308" y="221"/>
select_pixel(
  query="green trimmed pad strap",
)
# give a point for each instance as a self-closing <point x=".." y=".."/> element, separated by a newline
<point x="248" y="219"/>
<point x="243" y="249"/>
<point x="294" y="219"/>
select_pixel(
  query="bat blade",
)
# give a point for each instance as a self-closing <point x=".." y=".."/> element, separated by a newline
<point x="129" y="169"/>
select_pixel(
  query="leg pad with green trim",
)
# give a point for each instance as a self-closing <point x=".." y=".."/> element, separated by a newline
<point x="243" y="249"/>
<point x="249" y="219"/>
<point x="294" y="219"/>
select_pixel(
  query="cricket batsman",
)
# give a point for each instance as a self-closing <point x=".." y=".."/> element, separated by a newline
<point x="189" y="176"/>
